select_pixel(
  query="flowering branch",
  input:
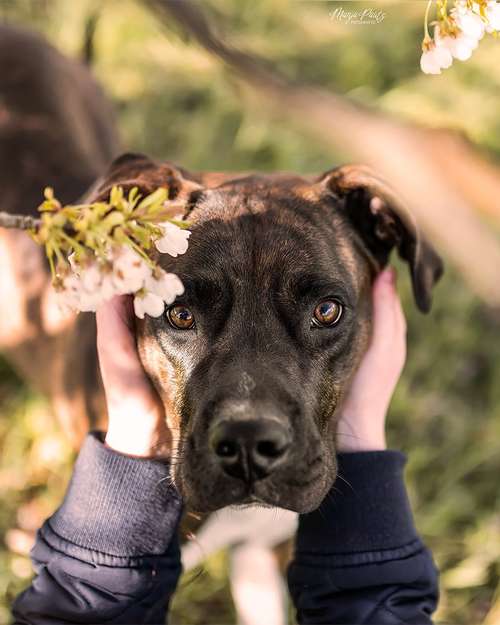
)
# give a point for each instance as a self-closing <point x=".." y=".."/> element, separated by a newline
<point x="457" y="33"/>
<point x="107" y="248"/>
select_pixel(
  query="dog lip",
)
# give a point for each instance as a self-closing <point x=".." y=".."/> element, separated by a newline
<point x="304" y="483"/>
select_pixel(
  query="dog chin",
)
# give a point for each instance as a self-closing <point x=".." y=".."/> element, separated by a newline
<point x="302" y="499"/>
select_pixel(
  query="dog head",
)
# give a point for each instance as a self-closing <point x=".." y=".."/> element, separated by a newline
<point x="254" y="358"/>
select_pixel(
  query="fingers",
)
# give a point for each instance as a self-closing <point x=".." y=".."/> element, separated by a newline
<point x="389" y="323"/>
<point x="115" y="320"/>
<point x="136" y="417"/>
<point x="116" y="346"/>
<point x="363" y="414"/>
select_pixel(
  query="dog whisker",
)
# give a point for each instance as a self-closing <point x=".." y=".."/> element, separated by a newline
<point x="340" y="477"/>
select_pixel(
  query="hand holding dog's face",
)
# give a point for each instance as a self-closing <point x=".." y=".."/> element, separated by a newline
<point x="136" y="415"/>
<point x="253" y="360"/>
<point x="362" y="415"/>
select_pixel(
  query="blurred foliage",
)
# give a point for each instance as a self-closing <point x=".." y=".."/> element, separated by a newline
<point x="176" y="102"/>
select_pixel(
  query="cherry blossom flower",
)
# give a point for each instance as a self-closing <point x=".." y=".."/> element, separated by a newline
<point x="148" y="304"/>
<point x="457" y="33"/>
<point x="434" y="58"/>
<point x="89" y="302"/>
<point x="91" y="278"/>
<point x="165" y="285"/>
<point x="174" y="240"/>
<point x="130" y="271"/>
<point x="468" y="22"/>
<point x="459" y="45"/>
<point x="69" y="293"/>
<point x="493" y="15"/>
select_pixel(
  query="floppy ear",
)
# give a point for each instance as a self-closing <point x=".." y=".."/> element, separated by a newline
<point x="137" y="170"/>
<point x="384" y="223"/>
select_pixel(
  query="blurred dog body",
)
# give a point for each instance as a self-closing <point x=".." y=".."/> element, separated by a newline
<point x="56" y="129"/>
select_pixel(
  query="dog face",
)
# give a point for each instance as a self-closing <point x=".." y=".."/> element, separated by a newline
<point x="253" y="360"/>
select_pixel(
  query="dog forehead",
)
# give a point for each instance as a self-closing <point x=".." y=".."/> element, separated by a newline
<point x="253" y="194"/>
<point x="284" y="211"/>
<point x="270" y="247"/>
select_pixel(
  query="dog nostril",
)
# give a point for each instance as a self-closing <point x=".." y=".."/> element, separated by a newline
<point x="270" y="449"/>
<point x="226" y="449"/>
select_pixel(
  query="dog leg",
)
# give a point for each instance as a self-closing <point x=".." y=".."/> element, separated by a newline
<point x="257" y="586"/>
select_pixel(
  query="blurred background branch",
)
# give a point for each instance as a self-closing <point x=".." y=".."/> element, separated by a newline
<point x="439" y="178"/>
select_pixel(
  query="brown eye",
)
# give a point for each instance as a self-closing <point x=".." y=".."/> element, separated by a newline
<point x="180" y="317"/>
<point x="327" y="313"/>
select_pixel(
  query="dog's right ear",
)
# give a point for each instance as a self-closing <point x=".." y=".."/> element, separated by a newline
<point x="138" y="170"/>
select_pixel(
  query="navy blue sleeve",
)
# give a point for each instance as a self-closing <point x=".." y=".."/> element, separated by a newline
<point x="358" y="558"/>
<point x="110" y="553"/>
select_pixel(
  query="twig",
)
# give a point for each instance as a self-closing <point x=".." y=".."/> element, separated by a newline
<point x="21" y="222"/>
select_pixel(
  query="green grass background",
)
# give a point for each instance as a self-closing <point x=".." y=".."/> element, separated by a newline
<point x="174" y="101"/>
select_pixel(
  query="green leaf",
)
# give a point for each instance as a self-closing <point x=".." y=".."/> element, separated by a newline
<point x="153" y="200"/>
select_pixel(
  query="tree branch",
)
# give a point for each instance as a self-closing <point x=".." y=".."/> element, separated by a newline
<point x="409" y="157"/>
<point x="21" y="222"/>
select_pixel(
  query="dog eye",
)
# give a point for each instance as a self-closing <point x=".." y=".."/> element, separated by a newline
<point x="327" y="313"/>
<point x="180" y="317"/>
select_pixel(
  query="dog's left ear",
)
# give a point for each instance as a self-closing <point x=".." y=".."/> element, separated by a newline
<point x="384" y="223"/>
<point x="138" y="170"/>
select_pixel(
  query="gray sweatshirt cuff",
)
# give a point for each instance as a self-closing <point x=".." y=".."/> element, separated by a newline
<point x="117" y="505"/>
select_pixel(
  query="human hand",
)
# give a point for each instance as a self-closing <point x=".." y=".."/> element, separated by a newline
<point x="362" y="416"/>
<point x="136" y="417"/>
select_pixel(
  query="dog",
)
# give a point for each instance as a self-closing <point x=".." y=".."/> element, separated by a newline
<point x="254" y="360"/>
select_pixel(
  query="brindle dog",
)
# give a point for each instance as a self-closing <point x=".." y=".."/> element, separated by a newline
<point x="253" y="361"/>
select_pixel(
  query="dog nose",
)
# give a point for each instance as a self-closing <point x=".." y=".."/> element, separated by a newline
<point x="250" y="450"/>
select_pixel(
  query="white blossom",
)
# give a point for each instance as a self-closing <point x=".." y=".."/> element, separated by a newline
<point x="460" y="46"/>
<point x="108" y="286"/>
<point x="148" y="304"/>
<point x="166" y="285"/>
<point x="468" y="22"/>
<point x="493" y="15"/>
<point x="90" y="302"/>
<point x="174" y="240"/>
<point x="130" y="271"/>
<point x="91" y="278"/>
<point x="435" y="58"/>
<point x="69" y="294"/>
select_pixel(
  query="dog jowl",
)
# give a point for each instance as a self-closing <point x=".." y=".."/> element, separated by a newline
<point x="253" y="360"/>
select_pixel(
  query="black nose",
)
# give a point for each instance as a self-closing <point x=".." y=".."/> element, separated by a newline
<point x="250" y="450"/>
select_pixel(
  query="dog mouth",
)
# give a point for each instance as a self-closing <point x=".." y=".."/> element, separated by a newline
<point x="255" y="496"/>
